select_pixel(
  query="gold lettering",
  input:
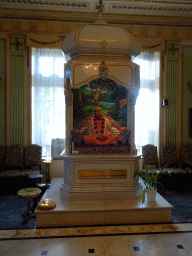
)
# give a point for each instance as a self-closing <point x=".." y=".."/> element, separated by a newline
<point x="102" y="174"/>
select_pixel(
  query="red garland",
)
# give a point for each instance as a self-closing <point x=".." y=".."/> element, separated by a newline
<point x="102" y="125"/>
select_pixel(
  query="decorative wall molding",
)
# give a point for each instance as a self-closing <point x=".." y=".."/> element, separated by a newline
<point x="171" y="50"/>
<point x="153" y="8"/>
<point x="47" y="43"/>
<point x="17" y="45"/>
<point x="44" y="3"/>
<point x="152" y="46"/>
<point x="51" y="32"/>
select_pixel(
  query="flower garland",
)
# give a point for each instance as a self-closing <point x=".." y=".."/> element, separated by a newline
<point x="96" y="125"/>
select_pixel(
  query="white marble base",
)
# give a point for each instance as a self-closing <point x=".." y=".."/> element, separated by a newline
<point x="89" y="187"/>
<point x="100" y="212"/>
<point x="101" y="193"/>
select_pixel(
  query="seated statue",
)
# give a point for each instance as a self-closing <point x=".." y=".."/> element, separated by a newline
<point x="99" y="130"/>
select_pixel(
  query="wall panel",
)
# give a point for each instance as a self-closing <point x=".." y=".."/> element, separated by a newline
<point x="172" y="55"/>
<point x="2" y="92"/>
<point x="18" y="88"/>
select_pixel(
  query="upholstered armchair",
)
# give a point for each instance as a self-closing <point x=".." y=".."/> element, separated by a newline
<point x="13" y="158"/>
<point x="186" y="157"/>
<point x="20" y="161"/>
<point x="168" y="155"/>
<point x="32" y="159"/>
<point x="179" y="177"/>
<point x="2" y="157"/>
<point x="32" y="156"/>
<point x="149" y="152"/>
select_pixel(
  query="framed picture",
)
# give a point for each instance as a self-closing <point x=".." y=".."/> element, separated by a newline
<point x="190" y="122"/>
<point x="107" y="94"/>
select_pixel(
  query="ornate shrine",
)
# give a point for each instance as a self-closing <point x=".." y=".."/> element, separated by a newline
<point x="101" y="87"/>
<point x="99" y="73"/>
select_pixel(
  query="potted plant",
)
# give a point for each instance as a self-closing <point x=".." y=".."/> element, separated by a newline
<point x="150" y="180"/>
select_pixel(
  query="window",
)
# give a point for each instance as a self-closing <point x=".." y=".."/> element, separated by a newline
<point x="147" y="105"/>
<point x="48" y="102"/>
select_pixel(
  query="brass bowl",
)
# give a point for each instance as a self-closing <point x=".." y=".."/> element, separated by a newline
<point x="46" y="205"/>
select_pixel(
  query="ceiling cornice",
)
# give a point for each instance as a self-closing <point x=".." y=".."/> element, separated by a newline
<point x="174" y="8"/>
<point x="81" y="17"/>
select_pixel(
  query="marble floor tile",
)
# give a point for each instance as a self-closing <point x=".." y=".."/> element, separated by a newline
<point x="67" y="247"/>
<point x="111" y="247"/>
<point x="156" y="245"/>
<point x="120" y="245"/>
<point x="8" y="245"/>
<point x="184" y="239"/>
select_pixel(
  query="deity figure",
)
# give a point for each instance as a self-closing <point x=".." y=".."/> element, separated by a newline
<point x="103" y="70"/>
<point x="100" y="130"/>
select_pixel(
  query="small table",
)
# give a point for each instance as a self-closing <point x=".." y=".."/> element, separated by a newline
<point x="35" y="178"/>
<point x="43" y="186"/>
<point x="29" y="193"/>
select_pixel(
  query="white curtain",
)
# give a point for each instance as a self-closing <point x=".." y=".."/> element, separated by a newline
<point x="147" y="105"/>
<point x="48" y="103"/>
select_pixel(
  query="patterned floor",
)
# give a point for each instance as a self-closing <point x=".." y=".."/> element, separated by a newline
<point x="95" y="231"/>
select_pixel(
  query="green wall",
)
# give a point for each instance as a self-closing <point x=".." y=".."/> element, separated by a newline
<point x="172" y="78"/>
<point x="187" y="95"/>
<point x="2" y="92"/>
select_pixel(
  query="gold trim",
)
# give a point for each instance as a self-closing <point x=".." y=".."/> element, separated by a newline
<point x="46" y="43"/>
<point x="151" y="47"/>
<point x="98" y="75"/>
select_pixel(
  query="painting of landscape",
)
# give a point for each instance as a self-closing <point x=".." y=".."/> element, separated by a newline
<point x="112" y="98"/>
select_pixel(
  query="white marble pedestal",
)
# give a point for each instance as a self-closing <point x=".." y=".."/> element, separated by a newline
<point x="100" y="177"/>
<point x="100" y="212"/>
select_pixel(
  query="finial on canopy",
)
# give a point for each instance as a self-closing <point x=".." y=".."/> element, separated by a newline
<point x="103" y="70"/>
<point x="100" y="8"/>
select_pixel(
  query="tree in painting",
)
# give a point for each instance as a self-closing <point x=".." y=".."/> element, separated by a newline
<point x="112" y="98"/>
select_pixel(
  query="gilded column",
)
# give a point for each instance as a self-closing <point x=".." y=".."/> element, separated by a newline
<point x="17" y="46"/>
<point x="172" y="81"/>
<point x="68" y="115"/>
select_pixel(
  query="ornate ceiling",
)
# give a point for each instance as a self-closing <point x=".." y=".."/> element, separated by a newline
<point x="132" y="12"/>
<point x="177" y="8"/>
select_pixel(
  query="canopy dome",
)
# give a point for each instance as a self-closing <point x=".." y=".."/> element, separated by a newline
<point x="101" y="38"/>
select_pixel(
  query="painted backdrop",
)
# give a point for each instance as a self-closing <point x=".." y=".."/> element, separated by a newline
<point x="112" y="98"/>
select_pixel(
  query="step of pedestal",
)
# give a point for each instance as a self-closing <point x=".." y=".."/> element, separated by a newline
<point x="100" y="212"/>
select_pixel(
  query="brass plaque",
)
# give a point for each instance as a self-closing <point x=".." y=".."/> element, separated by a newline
<point x="103" y="174"/>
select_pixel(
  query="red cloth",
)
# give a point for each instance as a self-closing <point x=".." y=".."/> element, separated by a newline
<point x="100" y="128"/>
<point x="92" y="140"/>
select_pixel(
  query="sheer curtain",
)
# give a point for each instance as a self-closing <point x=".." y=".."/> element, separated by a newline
<point x="147" y="105"/>
<point x="48" y="103"/>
